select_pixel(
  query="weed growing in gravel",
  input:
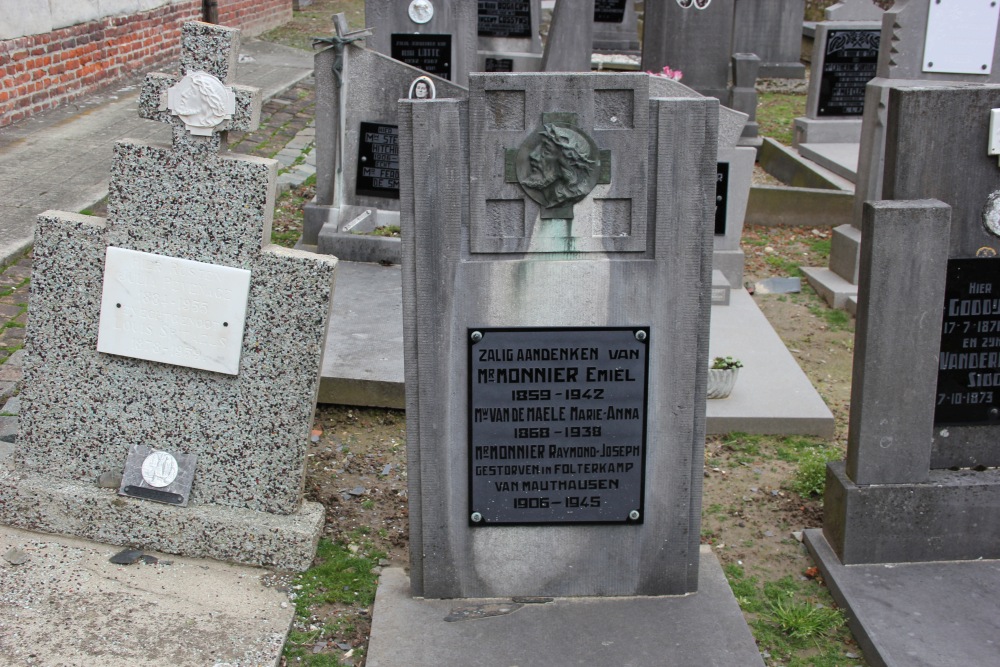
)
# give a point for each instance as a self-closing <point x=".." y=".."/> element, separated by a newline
<point x="810" y="478"/>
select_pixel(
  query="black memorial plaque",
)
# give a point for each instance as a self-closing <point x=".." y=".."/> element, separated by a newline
<point x="378" y="161"/>
<point x="609" y="11"/>
<point x="968" y="387"/>
<point x="850" y="63"/>
<point x="431" y="53"/>
<point x="499" y="65"/>
<point x="721" y="197"/>
<point x="505" y="18"/>
<point x="557" y="425"/>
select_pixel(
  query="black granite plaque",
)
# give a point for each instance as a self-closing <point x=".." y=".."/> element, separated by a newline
<point x="378" y="161"/>
<point x="557" y="425"/>
<point x="499" y="65"/>
<point x="848" y="65"/>
<point x="505" y="18"/>
<point x="968" y="388"/>
<point x="609" y="11"/>
<point x="431" y="53"/>
<point x="721" y="197"/>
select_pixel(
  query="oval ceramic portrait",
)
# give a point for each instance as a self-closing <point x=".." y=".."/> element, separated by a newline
<point x="557" y="165"/>
<point x="422" y="88"/>
<point x="991" y="214"/>
<point x="159" y="469"/>
<point x="421" y="11"/>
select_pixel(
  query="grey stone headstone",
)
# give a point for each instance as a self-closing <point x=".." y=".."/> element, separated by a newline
<point x="772" y="29"/>
<point x="612" y="34"/>
<point x="83" y="410"/>
<point x="696" y="41"/>
<point x="478" y="252"/>
<point x="568" y="48"/>
<point x="853" y="10"/>
<point x="509" y="30"/>
<point x="456" y="19"/>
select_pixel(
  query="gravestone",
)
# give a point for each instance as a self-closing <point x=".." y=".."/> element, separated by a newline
<point x="437" y="36"/>
<point x="537" y="340"/>
<point x="910" y="29"/>
<point x="509" y="38"/>
<point x="357" y="169"/>
<point x="616" y="27"/>
<point x="175" y="325"/>
<point x="921" y="483"/>
<point x="772" y="29"/>
<point x="743" y="95"/>
<point x="845" y="56"/>
<point x="571" y="32"/>
<point x="694" y="37"/>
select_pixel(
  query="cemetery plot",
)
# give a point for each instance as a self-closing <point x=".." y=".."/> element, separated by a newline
<point x="557" y="423"/>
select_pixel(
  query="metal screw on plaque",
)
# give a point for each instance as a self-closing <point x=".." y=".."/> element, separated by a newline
<point x="640" y="336"/>
<point x="476" y="336"/>
<point x="634" y="515"/>
<point x="994" y="413"/>
<point x="476" y="517"/>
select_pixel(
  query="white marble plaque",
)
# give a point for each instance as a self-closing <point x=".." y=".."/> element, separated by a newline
<point x="961" y="35"/>
<point x="171" y="310"/>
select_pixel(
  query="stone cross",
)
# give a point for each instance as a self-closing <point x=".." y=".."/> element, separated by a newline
<point x="209" y="54"/>
<point x="191" y="214"/>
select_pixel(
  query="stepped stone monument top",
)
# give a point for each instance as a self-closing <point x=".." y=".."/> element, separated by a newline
<point x="175" y="326"/>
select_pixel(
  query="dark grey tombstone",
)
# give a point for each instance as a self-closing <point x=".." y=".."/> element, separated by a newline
<point x="925" y="419"/>
<point x="743" y="96"/>
<point x="773" y="30"/>
<point x="446" y="42"/>
<point x="489" y="256"/>
<point x="696" y="41"/>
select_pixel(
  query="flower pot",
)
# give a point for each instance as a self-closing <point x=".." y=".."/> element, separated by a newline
<point x="721" y="381"/>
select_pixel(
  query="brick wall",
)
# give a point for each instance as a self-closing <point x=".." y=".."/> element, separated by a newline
<point x="42" y="71"/>
<point x="254" y="16"/>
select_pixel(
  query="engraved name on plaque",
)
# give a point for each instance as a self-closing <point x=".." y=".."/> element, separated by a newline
<point x="557" y="425"/>
<point x="378" y="160"/>
<point x="174" y="311"/>
<point x="431" y="53"/>
<point x="849" y="64"/>
<point x="968" y="389"/>
<point x="721" y="197"/>
<point x="505" y="18"/>
<point x="609" y="11"/>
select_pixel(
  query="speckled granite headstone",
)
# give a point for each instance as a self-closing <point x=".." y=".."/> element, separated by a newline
<point x="83" y="409"/>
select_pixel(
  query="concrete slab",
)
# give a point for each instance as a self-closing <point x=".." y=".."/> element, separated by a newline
<point x="363" y="363"/>
<point x="841" y="159"/>
<point x="834" y="289"/>
<point x="941" y="614"/>
<point x="705" y="629"/>
<point x="68" y="605"/>
<point x="772" y="394"/>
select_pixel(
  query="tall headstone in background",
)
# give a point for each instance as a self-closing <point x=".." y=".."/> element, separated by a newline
<point x="568" y="47"/>
<point x="151" y="346"/>
<point x="540" y="351"/>
<point x="695" y="38"/>
<point x="357" y="158"/>
<point x="772" y="29"/>
<point x="921" y="482"/>
<point x="616" y="26"/>
<point x="844" y="60"/>
<point x="918" y="42"/>
<point x="509" y="38"/>
<point x="437" y="36"/>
